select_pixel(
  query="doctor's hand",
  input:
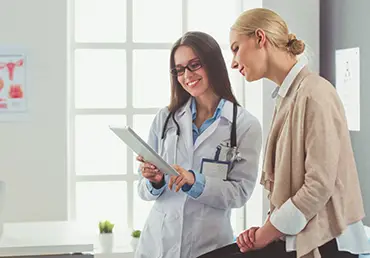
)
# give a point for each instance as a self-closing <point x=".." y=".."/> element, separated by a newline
<point x="184" y="177"/>
<point x="150" y="171"/>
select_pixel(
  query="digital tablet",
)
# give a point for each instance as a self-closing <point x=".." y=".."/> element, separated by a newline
<point x="140" y="147"/>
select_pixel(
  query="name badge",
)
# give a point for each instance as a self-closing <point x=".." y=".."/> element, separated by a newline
<point x="215" y="168"/>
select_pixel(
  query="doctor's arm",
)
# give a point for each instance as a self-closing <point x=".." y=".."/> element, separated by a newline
<point x="236" y="191"/>
<point x="148" y="190"/>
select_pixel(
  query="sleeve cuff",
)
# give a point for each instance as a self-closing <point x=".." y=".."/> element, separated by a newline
<point x="197" y="188"/>
<point x="288" y="219"/>
<point x="152" y="190"/>
<point x="267" y="216"/>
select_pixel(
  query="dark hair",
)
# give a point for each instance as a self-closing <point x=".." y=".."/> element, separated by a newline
<point x="209" y="52"/>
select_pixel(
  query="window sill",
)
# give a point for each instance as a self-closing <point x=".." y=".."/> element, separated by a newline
<point x="61" y="237"/>
<point x="118" y="252"/>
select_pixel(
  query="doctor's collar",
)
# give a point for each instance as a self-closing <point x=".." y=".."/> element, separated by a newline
<point x="226" y="112"/>
<point x="187" y="106"/>
<point x="218" y="110"/>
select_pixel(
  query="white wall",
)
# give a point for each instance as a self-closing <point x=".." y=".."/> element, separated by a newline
<point x="33" y="153"/>
<point x="340" y="31"/>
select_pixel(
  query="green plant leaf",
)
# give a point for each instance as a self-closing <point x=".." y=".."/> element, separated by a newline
<point x="136" y="233"/>
<point x="106" y="226"/>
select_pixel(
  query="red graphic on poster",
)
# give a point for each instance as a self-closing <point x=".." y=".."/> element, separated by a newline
<point x="11" y="66"/>
<point x="15" y="91"/>
<point x="13" y="94"/>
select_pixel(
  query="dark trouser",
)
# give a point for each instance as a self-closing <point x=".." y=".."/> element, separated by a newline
<point x="276" y="249"/>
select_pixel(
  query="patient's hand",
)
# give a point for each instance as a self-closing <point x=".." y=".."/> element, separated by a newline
<point x="246" y="240"/>
<point x="257" y="238"/>
<point x="262" y="237"/>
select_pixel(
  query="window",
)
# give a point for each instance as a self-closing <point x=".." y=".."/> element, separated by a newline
<point x="110" y="42"/>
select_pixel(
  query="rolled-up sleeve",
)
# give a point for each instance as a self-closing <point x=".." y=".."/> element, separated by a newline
<point x="288" y="219"/>
<point x="152" y="190"/>
<point x="197" y="188"/>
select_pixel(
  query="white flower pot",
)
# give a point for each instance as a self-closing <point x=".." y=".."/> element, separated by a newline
<point x="134" y="241"/>
<point x="106" y="242"/>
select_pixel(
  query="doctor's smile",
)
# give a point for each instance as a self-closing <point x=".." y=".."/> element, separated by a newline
<point x="192" y="84"/>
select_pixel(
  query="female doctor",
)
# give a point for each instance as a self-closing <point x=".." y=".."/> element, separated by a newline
<point x="213" y="143"/>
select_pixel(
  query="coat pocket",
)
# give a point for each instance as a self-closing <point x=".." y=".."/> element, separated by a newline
<point x="150" y="244"/>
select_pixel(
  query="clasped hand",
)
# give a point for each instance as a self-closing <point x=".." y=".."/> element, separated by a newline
<point x="257" y="238"/>
<point x="246" y="241"/>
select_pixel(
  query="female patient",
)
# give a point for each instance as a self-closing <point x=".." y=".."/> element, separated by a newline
<point x="191" y="212"/>
<point x="309" y="167"/>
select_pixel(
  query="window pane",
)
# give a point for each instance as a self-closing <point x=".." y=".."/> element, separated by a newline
<point x="236" y="79"/>
<point x="217" y="22"/>
<point x="100" y="20"/>
<point x="141" y="126"/>
<point x="237" y="220"/>
<point x="100" y="78"/>
<point x="255" y="207"/>
<point x="162" y="22"/>
<point x="151" y="78"/>
<point x="98" y="150"/>
<point x="141" y="209"/>
<point x="96" y="201"/>
<point x="233" y="220"/>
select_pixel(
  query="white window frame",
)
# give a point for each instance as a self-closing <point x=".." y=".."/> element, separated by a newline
<point x="129" y="111"/>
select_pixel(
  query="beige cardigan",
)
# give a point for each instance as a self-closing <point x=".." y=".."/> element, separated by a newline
<point x="309" y="158"/>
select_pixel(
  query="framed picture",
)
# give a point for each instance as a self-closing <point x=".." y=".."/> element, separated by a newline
<point x="13" y="87"/>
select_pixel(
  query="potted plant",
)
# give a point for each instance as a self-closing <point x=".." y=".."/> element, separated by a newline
<point x="135" y="238"/>
<point x="106" y="235"/>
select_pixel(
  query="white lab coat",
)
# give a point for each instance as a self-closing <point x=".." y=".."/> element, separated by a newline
<point x="179" y="226"/>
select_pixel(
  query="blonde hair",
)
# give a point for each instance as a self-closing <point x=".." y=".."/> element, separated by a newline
<point x="273" y="25"/>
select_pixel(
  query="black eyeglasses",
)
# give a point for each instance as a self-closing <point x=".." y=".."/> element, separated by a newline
<point x="192" y="66"/>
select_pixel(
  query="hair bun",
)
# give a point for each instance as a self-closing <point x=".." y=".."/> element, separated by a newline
<point x="294" y="45"/>
<point x="291" y="37"/>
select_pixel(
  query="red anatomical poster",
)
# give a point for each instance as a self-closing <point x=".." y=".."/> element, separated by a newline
<point x="12" y="84"/>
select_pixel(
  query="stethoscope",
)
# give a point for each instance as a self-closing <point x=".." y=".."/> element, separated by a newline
<point x="171" y="114"/>
<point x="232" y="153"/>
